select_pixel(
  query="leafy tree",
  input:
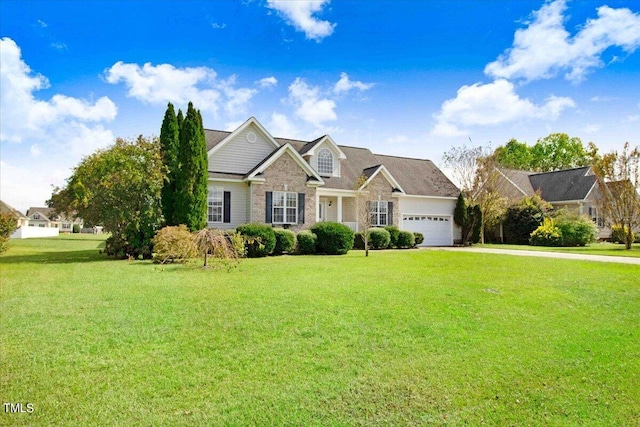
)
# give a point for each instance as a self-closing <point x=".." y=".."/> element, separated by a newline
<point x="514" y="155"/>
<point x="476" y="231"/>
<point x="363" y="212"/>
<point x="170" y="146"/>
<point x="120" y="188"/>
<point x="468" y="218"/>
<point x="475" y="168"/>
<point x="553" y="152"/>
<point x="464" y="163"/>
<point x="558" y="151"/>
<point x="618" y="176"/>
<point x="8" y="225"/>
<point x="524" y="218"/>
<point x="192" y="178"/>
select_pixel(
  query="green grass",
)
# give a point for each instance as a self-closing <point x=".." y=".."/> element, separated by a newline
<point x="400" y="338"/>
<point x="602" y="248"/>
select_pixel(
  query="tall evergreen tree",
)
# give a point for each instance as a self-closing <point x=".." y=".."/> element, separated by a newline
<point x="191" y="183"/>
<point x="170" y="146"/>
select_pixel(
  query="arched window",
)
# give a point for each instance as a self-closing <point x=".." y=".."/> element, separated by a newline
<point x="325" y="162"/>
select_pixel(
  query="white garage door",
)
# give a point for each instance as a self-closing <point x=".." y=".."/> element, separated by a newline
<point x="437" y="230"/>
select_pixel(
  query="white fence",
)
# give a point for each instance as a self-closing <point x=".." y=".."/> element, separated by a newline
<point x="33" y="232"/>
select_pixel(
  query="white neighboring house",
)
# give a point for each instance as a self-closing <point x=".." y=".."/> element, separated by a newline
<point x="254" y="177"/>
<point x="47" y="218"/>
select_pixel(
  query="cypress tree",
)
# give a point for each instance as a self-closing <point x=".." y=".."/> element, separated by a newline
<point x="191" y="183"/>
<point x="170" y="145"/>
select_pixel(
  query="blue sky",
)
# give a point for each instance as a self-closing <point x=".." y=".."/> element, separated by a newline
<point x="407" y="78"/>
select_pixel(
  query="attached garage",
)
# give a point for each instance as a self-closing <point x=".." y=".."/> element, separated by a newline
<point x="436" y="229"/>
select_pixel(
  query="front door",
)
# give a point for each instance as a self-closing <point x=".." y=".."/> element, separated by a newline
<point x="322" y="212"/>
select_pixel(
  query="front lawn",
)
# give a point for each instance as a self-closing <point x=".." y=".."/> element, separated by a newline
<point x="400" y="338"/>
<point x="601" y="248"/>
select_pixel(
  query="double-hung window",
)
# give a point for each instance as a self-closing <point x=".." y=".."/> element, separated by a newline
<point x="216" y="203"/>
<point x="379" y="211"/>
<point x="285" y="207"/>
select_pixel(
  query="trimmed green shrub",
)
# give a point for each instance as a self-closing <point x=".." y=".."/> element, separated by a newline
<point x="419" y="238"/>
<point x="76" y="228"/>
<point x="393" y="235"/>
<point x="379" y="238"/>
<point x="576" y="230"/>
<point x="406" y="239"/>
<point x="358" y="240"/>
<point x="260" y="239"/>
<point x="173" y="244"/>
<point x="546" y="235"/>
<point x="285" y="241"/>
<point x="618" y="234"/>
<point x="306" y="243"/>
<point x="333" y="238"/>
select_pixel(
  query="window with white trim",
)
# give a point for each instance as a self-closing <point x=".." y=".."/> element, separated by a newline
<point x="379" y="211"/>
<point x="325" y="162"/>
<point x="215" y="204"/>
<point x="285" y="207"/>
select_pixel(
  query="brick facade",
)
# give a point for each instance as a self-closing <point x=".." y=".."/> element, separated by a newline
<point x="285" y="174"/>
<point x="380" y="189"/>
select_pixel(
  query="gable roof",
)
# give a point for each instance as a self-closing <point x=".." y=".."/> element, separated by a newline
<point x="419" y="177"/>
<point x="412" y="176"/>
<point x="371" y="173"/>
<point x="276" y="154"/>
<point x="563" y="185"/>
<point x="217" y="143"/>
<point x="310" y="148"/>
<point x="6" y="209"/>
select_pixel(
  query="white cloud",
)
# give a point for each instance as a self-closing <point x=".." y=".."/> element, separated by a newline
<point x="24" y="116"/>
<point x="345" y="85"/>
<point x="42" y="140"/>
<point x="268" y="82"/>
<point x="300" y="13"/>
<point x="159" y="84"/>
<point x="281" y="126"/>
<point x="545" y="47"/>
<point x="309" y="105"/>
<point x="217" y="26"/>
<point x="492" y="104"/>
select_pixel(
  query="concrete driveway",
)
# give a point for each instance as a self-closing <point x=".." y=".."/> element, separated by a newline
<point x="542" y="254"/>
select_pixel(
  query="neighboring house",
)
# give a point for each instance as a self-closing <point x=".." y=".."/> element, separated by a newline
<point x="22" y="220"/>
<point x="47" y="218"/>
<point x="575" y="190"/>
<point x="254" y="177"/>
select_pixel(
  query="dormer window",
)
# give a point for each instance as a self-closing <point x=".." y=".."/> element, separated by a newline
<point x="325" y="162"/>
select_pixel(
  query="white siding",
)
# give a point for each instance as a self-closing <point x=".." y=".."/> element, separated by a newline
<point x="428" y="206"/>
<point x="239" y="200"/>
<point x="240" y="155"/>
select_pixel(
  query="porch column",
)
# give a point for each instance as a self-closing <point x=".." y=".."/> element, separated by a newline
<point x="339" y="207"/>
<point x="317" y="208"/>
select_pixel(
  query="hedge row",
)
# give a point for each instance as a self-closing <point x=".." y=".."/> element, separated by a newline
<point x="388" y="238"/>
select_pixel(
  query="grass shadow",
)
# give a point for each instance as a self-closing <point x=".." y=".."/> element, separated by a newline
<point x="64" y="257"/>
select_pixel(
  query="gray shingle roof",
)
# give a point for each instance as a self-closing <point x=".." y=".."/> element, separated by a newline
<point x="415" y="176"/>
<point x="419" y="177"/>
<point x="564" y="185"/>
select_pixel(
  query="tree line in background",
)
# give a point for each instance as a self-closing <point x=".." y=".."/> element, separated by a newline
<point x="135" y="187"/>
<point x="477" y="171"/>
